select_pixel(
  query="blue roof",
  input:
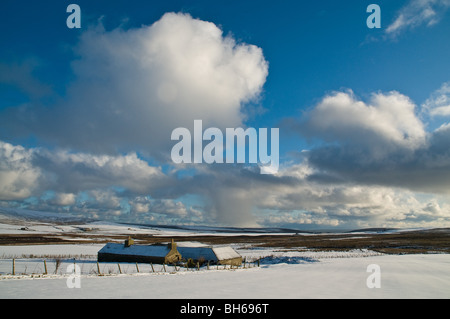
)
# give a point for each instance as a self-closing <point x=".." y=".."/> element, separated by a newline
<point x="193" y="252"/>
<point x="136" y="250"/>
<point x="206" y="253"/>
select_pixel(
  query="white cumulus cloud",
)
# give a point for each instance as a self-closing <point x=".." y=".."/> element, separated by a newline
<point x="385" y="123"/>
<point x="133" y="87"/>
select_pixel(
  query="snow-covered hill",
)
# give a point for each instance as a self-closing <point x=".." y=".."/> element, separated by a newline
<point x="22" y="221"/>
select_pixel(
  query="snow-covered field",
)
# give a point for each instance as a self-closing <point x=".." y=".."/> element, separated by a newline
<point x="284" y="275"/>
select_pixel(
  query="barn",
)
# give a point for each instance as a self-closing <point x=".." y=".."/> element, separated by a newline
<point x="223" y="255"/>
<point x="168" y="253"/>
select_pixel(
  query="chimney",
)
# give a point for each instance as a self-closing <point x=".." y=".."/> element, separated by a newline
<point x="128" y="242"/>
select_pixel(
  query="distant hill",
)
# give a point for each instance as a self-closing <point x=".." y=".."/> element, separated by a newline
<point x="217" y="229"/>
<point x="39" y="216"/>
<point x="373" y="230"/>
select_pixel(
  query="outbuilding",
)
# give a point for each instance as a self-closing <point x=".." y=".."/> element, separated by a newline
<point x="222" y="255"/>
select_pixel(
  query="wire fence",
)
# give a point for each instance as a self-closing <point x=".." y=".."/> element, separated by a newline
<point x="37" y="267"/>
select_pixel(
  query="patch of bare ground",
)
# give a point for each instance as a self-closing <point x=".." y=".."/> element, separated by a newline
<point x="406" y="242"/>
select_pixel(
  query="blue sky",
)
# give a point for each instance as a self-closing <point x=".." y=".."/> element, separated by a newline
<point x="363" y="113"/>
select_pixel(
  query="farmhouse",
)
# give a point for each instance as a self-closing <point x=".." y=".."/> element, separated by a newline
<point x="168" y="253"/>
<point x="128" y="252"/>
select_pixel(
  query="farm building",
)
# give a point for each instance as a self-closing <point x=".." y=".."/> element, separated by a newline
<point x="168" y="253"/>
<point x="128" y="252"/>
<point x="215" y="255"/>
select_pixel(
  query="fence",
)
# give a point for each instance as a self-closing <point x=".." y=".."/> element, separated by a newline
<point x="44" y="267"/>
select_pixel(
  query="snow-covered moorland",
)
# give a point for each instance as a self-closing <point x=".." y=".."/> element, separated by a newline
<point x="294" y="276"/>
<point x="288" y="273"/>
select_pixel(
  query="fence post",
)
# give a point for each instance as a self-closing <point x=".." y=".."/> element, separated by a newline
<point x="14" y="266"/>
<point x="45" y="267"/>
<point x="164" y="266"/>
<point x="153" y="269"/>
<point x="98" y="269"/>
<point x="137" y="268"/>
<point x="120" y="270"/>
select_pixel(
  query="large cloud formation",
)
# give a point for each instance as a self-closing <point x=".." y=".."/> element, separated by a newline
<point x="133" y="87"/>
<point x="130" y="89"/>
